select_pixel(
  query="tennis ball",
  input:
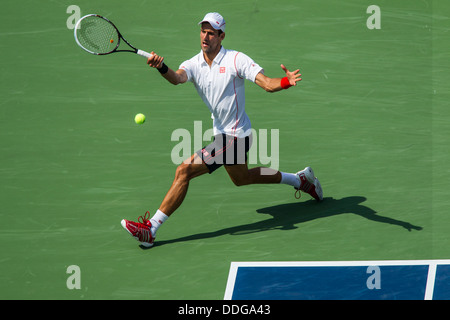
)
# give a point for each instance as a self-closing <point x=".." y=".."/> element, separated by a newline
<point x="139" y="118"/>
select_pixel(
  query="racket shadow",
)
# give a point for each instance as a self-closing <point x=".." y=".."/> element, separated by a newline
<point x="288" y="216"/>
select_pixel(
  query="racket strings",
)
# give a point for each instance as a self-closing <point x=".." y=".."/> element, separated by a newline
<point x="97" y="35"/>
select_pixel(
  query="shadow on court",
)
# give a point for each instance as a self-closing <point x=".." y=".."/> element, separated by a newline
<point x="287" y="216"/>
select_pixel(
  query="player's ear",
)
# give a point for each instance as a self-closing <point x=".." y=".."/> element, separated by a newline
<point x="222" y="36"/>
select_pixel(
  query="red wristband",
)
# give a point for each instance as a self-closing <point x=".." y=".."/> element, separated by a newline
<point x="285" y="83"/>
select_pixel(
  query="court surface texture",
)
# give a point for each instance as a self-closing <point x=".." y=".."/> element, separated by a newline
<point x="370" y="117"/>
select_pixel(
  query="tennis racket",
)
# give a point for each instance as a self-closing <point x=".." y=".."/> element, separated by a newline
<point x="99" y="36"/>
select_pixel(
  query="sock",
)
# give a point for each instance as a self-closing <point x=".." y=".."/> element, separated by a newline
<point x="157" y="220"/>
<point x="290" y="179"/>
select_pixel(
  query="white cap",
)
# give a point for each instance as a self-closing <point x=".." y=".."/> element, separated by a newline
<point x="215" y="20"/>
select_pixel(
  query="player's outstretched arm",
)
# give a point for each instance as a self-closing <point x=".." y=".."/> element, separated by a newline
<point x="277" y="84"/>
<point x="174" y="77"/>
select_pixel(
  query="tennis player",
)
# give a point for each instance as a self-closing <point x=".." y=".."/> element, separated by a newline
<point x="218" y="75"/>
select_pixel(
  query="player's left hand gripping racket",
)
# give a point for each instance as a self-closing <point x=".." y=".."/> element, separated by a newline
<point x="99" y="36"/>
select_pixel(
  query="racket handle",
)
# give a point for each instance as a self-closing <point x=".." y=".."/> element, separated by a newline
<point x="144" y="54"/>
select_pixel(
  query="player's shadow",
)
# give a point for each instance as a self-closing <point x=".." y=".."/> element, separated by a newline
<point x="288" y="216"/>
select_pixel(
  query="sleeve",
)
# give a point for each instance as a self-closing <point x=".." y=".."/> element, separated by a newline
<point x="188" y="67"/>
<point x="246" y="68"/>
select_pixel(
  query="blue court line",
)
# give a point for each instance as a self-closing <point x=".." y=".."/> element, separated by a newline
<point x="340" y="280"/>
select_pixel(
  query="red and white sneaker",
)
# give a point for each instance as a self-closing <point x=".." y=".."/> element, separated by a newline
<point x="140" y="230"/>
<point x="309" y="184"/>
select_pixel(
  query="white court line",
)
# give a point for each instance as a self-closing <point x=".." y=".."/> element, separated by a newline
<point x="430" y="281"/>
<point x="432" y="265"/>
<point x="231" y="281"/>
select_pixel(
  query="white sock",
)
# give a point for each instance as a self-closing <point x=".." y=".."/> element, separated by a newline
<point x="290" y="179"/>
<point x="157" y="220"/>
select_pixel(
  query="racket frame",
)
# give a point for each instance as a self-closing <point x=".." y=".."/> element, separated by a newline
<point x="135" y="50"/>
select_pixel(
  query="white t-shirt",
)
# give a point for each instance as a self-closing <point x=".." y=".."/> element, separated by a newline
<point x="221" y="88"/>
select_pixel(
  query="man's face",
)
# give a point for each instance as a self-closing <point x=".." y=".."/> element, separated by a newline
<point x="210" y="40"/>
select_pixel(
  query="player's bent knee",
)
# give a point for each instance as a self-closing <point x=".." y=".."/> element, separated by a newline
<point x="187" y="171"/>
<point x="183" y="172"/>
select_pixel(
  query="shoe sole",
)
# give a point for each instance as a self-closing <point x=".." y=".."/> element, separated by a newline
<point x="319" y="190"/>
<point x="124" y="225"/>
<point x="309" y="175"/>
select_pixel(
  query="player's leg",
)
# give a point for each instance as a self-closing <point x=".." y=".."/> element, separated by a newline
<point x="144" y="230"/>
<point x="237" y="168"/>
<point x="303" y="180"/>
<point x="236" y="164"/>
<point x="241" y="175"/>
<point x="189" y="169"/>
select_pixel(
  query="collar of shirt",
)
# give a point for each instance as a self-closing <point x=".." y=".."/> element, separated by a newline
<point x="216" y="60"/>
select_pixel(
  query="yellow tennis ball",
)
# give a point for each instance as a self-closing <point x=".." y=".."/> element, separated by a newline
<point x="139" y="118"/>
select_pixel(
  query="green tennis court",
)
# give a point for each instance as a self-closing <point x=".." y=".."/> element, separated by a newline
<point x="370" y="117"/>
